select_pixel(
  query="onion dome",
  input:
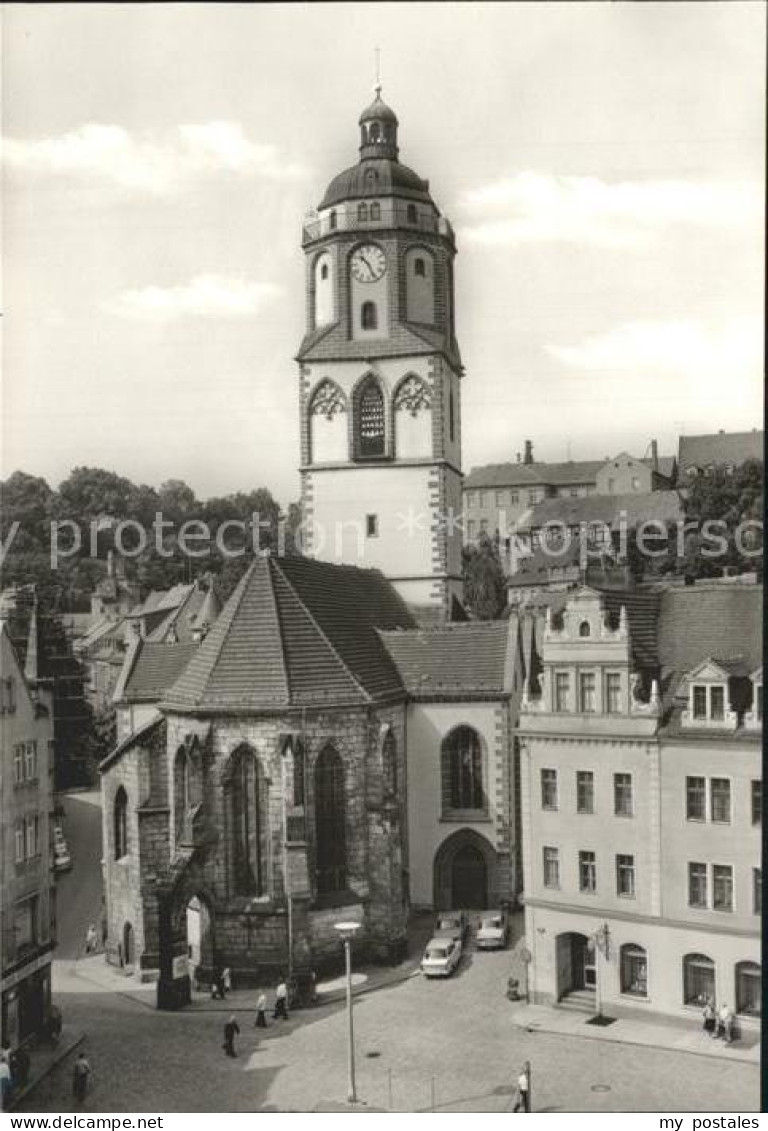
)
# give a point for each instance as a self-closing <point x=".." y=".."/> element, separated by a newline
<point x="378" y="173"/>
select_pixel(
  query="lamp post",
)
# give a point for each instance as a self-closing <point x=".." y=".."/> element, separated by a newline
<point x="287" y="753"/>
<point x="347" y="933"/>
<point x="602" y="935"/>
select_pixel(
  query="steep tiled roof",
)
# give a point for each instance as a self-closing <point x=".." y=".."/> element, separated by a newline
<point x="709" y="620"/>
<point x="719" y="448"/>
<point x="643" y="615"/>
<point x="662" y="506"/>
<point x="461" y="659"/>
<point x="160" y="600"/>
<point x="151" y="669"/>
<point x="296" y="632"/>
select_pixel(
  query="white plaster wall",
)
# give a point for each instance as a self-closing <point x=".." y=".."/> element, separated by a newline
<point x="324" y="291"/>
<point x="665" y="945"/>
<point x="427" y="726"/>
<point x="341" y="500"/>
<point x="420" y="289"/>
<point x="329" y="438"/>
<point x="413" y="433"/>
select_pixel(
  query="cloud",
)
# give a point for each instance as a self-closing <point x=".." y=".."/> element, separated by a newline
<point x="541" y="207"/>
<point x="204" y="296"/>
<point x="729" y="351"/>
<point x="149" y="163"/>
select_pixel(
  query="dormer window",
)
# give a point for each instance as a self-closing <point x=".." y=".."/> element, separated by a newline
<point x="754" y="716"/>
<point x="584" y="629"/>
<point x="708" y="701"/>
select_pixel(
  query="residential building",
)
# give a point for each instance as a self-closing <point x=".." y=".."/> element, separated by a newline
<point x="642" y="801"/>
<point x="700" y="455"/>
<point x="28" y="898"/>
<point x="496" y="497"/>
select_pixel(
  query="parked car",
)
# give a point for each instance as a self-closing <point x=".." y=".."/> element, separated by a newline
<point x="493" y="931"/>
<point x="62" y="861"/>
<point x="452" y="925"/>
<point x="441" y="957"/>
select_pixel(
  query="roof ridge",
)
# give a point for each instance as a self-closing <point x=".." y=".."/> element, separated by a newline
<point x="279" y="623"/>
<point x="366" y="695"/>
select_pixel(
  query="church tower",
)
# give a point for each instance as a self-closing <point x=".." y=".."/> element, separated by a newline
<point x="380" y="376"/>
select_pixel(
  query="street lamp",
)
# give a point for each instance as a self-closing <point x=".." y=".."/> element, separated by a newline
<point x="601" y="936"/>
<point x="346" y="934"/>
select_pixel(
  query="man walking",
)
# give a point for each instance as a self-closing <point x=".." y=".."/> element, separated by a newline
<point x="81" y="1073"/>
<point x="281" y="1001"/>
<point x="230" y="1029"/>
<point x="523" y="1102"/>
<point x="261" y="1012"/>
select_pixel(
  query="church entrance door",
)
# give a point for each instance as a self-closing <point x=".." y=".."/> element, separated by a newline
<point x="469" y="880"/>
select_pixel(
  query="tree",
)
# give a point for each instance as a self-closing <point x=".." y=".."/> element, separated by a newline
<point x="485" y="584"/>
<point x="727" y="509"/>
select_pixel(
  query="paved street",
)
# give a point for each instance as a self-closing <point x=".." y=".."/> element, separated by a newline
<point x="78" y="893"/>
<point x="457" y="1038"/>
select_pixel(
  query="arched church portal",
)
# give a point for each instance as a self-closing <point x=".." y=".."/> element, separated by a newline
<point x="465" y="873"/>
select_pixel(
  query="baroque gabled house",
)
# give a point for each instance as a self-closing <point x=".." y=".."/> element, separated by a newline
<point x="642" y="801"/>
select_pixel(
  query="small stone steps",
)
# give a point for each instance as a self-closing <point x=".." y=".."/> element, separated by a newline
<point x="582" y="1001"/>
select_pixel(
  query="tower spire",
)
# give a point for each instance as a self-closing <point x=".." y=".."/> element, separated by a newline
<point x="377" y="84"/>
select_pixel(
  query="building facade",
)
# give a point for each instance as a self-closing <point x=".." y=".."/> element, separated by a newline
<point x="642" y="801"/>
<point x="380" y="376"/>
<point x="28" y="894"/>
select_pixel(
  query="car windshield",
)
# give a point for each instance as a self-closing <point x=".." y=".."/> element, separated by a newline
<point x="448" y="921"/>
<point x="495" y="922"/>
<point x="438" y="952"/>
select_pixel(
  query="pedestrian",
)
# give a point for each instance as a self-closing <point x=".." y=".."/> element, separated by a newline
<point x="90" y="939"/>
<point x="523" y="1102"/>
<point x="81" y="1074"/>
<point x="230" y="1029"/>
<point x="261" y="1012"/>
<point x="5" y="1081"/>
<point x="728" y="1021"/>
<point x="19" y="1065"/>
<point x="281" y="1001"/>
<point x="217" y="983"/>
<point x="724" y="1021"/>
<point x="226" y="978"/>
<point x="709" y="1016"/>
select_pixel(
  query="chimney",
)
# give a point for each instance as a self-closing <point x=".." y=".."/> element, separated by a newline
<point x="655" y="455"/>
<point x="528" y="457"/>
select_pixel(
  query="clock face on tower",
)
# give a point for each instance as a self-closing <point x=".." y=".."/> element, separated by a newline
<point x="368" y="263"/>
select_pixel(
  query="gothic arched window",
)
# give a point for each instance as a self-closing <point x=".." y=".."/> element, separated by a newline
<point x="462" y="770"/>
<point x="369" y="423"/>
<point x="120" y="823"/>
<point x="362" y="211"/>
<point x="368" y="316"/>
<point x="248" y="822"/>
<point x="330" y="831"/>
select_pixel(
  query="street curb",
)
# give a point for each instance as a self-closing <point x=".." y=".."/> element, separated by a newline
<point x="62" y="1053"/>
<point x="539" y="1028"/>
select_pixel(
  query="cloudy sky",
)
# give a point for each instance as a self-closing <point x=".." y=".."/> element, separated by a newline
<point x="602" y="164"/>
